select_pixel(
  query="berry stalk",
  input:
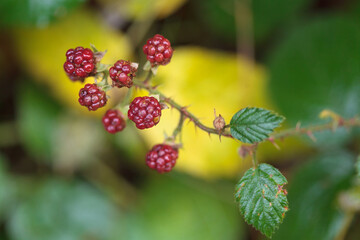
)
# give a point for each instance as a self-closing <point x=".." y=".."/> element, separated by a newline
<point x="178" y="129"/>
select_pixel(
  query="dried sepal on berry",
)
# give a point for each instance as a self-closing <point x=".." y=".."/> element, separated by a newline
<point x="219" y="124"/>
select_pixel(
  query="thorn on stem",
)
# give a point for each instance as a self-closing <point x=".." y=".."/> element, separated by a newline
<point x="155" y="87"/>
<point x="272" y="140"/>
<point x="311" y="136"/>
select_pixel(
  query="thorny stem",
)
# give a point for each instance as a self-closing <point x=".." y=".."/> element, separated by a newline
<point x="348" y="123"/>
<point x="182" y="110"/>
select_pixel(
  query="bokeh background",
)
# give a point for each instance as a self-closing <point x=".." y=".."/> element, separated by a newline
<point x="62" y="177"/>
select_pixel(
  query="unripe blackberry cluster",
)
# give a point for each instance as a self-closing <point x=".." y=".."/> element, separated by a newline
<point x="92" y="97"/>
<point x="162" y="158"/>
<point x="80" y="63"/>
<point x="114" y="121"/>
<point x="145" y="112"/>
<point x="122" y="74"/>
<point x="158" y="50"/>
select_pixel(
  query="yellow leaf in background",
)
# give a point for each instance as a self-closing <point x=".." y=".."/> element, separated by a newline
<point x="143" y="9"/>
<point x="203" y="80"/>
<point x="42" y="52"/>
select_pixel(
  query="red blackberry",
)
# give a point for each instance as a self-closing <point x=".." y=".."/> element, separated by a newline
<point x="114" y="121"/>
<point x="122" y="74"/>
<point x="162" y="158"/>
<point x="80" y="63"/>
<point x="158" y="50"/>
<point x="92" y="97"/>
<point x="145" y="112"/>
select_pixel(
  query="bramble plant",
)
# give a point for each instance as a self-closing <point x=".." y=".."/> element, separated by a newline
<point x="260" y="193"/>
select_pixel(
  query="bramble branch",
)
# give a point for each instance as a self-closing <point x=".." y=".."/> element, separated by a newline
<point x="333" y="125"/>
<point x="347" y="123"/>
<point x="182" y="110"/>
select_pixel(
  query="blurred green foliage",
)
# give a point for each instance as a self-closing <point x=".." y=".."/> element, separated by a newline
<point x="272" y="16"/>
<point x="313" y="191"/>
<point x="317" y="67"/>
<point x="7" y="188"/>
<point x="179" y="207"/>
<point x="220" y="16"/>
<point x="59" y="210"/>
<point x="37" y="115"/>
<point x="34" y="12"/>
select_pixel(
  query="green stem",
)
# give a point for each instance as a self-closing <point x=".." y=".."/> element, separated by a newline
<point x="148" y="77"/>
<point x="126" y="99"/>
<point x="178" y="129"/>
<point x="253" y="156"/>
<point x="104" y="84"/>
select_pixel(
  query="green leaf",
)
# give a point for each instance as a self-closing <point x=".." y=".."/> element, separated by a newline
<point x="251" y="125"/>
<point x="313" y="194"/>
<point x="262" y="199"/>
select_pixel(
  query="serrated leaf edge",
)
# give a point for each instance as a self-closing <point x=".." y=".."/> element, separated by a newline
<point x="282" y="118"/>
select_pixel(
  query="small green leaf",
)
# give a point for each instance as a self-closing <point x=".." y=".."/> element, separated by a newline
<point x="262" y="199"/>
<point x="251" y="125"/>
